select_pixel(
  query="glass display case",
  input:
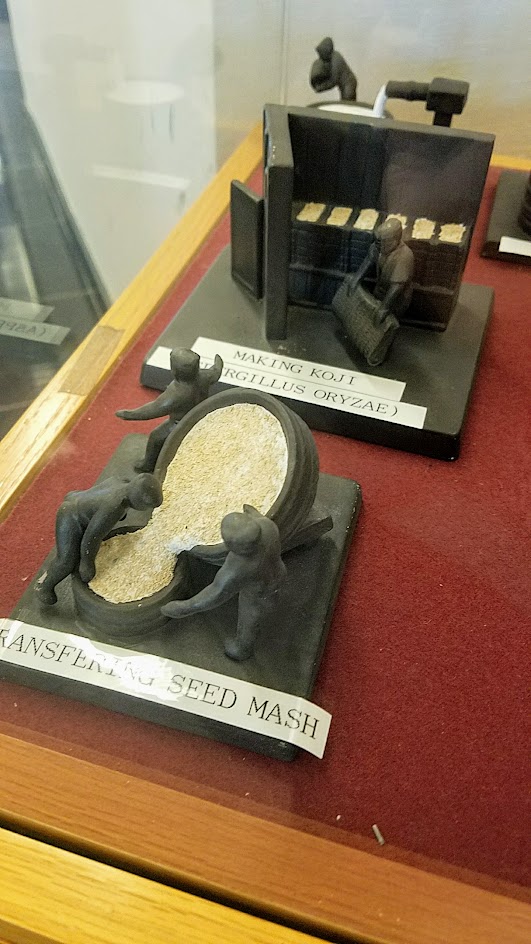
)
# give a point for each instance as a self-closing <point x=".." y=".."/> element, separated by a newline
<point x="413" y="825"/>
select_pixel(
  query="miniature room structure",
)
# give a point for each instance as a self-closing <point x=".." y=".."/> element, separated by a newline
<point x="329" y="181"/>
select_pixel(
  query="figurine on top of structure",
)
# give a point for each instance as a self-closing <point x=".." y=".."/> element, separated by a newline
<point x="331" y="69"/>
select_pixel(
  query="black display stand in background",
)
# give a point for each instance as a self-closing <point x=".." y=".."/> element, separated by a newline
<point x="506" y="208"/>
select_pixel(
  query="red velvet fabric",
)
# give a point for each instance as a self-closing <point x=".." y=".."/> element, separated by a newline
<point x="425" y="666"/>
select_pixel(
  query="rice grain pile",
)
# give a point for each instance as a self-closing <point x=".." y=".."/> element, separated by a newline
<point x="339" y="216"/>
<point x="234" y="456"/>
<point x="423" y="228"/>
<point x="452" y="232"/>
<point x="366" y="220"/>
<point x="310" y="212"/>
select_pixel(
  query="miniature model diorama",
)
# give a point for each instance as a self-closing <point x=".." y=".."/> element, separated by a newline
<point x="305" y="306"/>
<point x="444" y="97"/>
<point x="228" y="559"/>
<point x="509" y="229"/>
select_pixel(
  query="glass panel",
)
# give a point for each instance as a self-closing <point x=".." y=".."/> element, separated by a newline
<point x="114" y="118"/>
<point x="120" y="116"/>
<point x="479" y="41"/>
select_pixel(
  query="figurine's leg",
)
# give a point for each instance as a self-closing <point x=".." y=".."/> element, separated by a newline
<point x="68" y="535"/>
<point x="155" y="443"/>
<point x="252" y="608"/>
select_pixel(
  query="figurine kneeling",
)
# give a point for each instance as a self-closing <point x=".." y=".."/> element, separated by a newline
<point x="253" y="569"/>
<point x="371" y="320"/>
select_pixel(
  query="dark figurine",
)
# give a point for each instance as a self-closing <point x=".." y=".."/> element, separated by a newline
<point x="253" y="569"/>
<point x="330" y="69"/>
<point x="394" y="263"/>
<point x="190" y="386"/>
<point x="371" y="322"/>
<point x="84" y="519"/>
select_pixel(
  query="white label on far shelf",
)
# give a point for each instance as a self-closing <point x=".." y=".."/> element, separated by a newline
<point x="30" y="311"/>
<point x="222" y="698"/>
<point x="517" y="247"/>
<point x="32" y="330"/>
<point x="295" y="379"/>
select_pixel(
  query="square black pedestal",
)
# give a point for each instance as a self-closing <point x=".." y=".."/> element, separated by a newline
<point x="503" y="220"/>
<point x="437" y="368"/>
<point x="288" y="652"/>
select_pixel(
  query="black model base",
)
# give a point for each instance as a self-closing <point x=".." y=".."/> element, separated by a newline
<point x="287" y="655"/>
<point x="503" y="221"/>
<point x="438" y="368"/>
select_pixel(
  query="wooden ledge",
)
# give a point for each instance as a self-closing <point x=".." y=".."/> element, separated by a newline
<point x="281" y="873"/>
<point x="49" y="895"/>
<point x="510" y="163"/>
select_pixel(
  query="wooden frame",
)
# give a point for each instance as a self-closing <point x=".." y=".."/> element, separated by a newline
<point x="97" y="903"/>
<point x="273" y="870"/>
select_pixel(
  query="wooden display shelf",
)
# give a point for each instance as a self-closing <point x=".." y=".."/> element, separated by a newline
<point x="56" y="896"/>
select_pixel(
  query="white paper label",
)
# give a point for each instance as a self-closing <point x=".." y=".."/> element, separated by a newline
<point x="32" y="330"/>
<point x="517" y="247"/>
<point x="183" y="687"/>
<point x="31" y="311"/>
<point x="336" y="388"/>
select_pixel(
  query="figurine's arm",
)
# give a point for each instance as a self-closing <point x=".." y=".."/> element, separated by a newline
<point x="210" y="375"/>
<point x="370" y="259"/>
<point x="97" y="529"/>
<point x="323" y="85"/>
<point x="320" y="76"/>
<point x="226" y="584"/>
<point x="204" y="551"/>
<point x="162" y="406"/>
<point x="214" y="372"/>
<point x="393" y="292"/>
<point x="403" y="278"/>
